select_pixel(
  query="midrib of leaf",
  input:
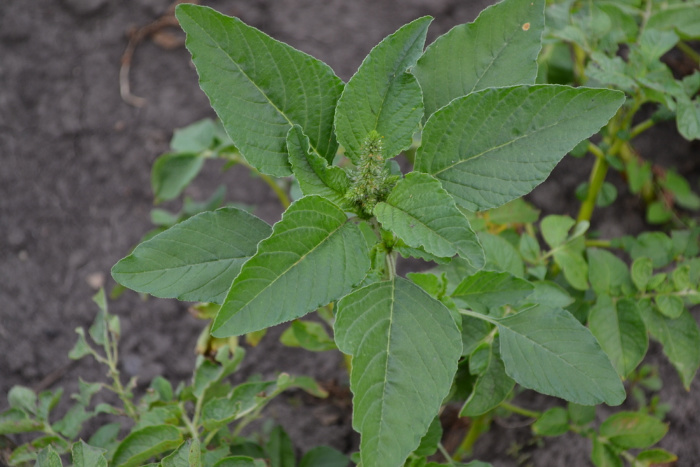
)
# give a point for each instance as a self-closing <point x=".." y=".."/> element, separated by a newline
<point x="397" y="72"/>
<point x="245" y="40"/>
<point x="507" y="143"/>
<point x="497" y="322"/>
<point x="485" y="70"/>
<point x="418" y="221"/>
<point x="386" y="365"/>
<point x="295" y="263"/>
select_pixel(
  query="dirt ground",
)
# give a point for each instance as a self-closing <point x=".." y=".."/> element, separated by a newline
<point x="75" y="196"/>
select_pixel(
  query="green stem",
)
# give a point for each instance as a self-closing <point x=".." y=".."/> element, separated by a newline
<point x="689" y="51"/>
<point x="445" y="454"/>
<point x="188" y="423"/>
<point x="600" y="170"/>
<point x="478" y="426"/>
<point x="595" y="150"/>
<point x="281" y="195"/>
<point x="520" y="410"/>
<point x="598" y="243"/>
<point x="641" y="127"/>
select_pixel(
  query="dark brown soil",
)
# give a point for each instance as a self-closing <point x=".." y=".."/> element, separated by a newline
<point x="75" y="197"/>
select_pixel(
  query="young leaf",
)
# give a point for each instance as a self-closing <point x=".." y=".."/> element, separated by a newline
<point x="642" y="270"/>
<point x="554" y="422"/>
<point x="194" y="260"/>
<point x="314" y="174"/>
<point x="603" y="455"/>
<point x="630" y="430"/>
<point x="17" y="421"/>
<point x="260" y="87"/>
<point x="405" y="347"/>
<point x="609" y="275"/>
<point x="85" y="455"/>
<point x="487" y="289"/>
<point x="670" y="306"/>
<point x="145" y="443"/>
<point x="493" y="385"/>
<point x="549" y="351"/>
<point x="498" y="49"/>
<point x="680" y="339"/>
<point x="382" y="96"/>
<point x="555" y="229"/>
<point x="48" y="458"/>
<point x="620" y="331"/>
<point x="22" y="398"/>
<point x="171" y="173"/>
<point x="496" y="145"/>
<point x="280" y="449"/>
<point x="429" y="442"/>
<point x="237" y="461"/>
<point x="423" y="215"/>
<point x="314" y="256"/>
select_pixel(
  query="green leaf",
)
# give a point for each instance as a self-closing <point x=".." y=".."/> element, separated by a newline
<point x="314" y="256"/>
<point x="314" y="174"/>
<point x="48" y="458"/>
<point x="22" y="398"/>
<point x="555" y="229"/>
<point x="382" y="96"/>
<point x="517" y="211"/>
<point x="171" y="173"/>
<point x="554" y="422"/>
<point x="654" y="457"/>
<point x="655" y="245"/>
<point x="549" y="351"/>
<point x="187" y="455"/>
<point x="17" y="421"/>
<point x="473" y="332"/>
<point x="493" y="385"/>
<point x="105" y="435"/>
<point x="195" y="260"/>
<point x="72" y="422"/>
<point x="488" y="289"/>
<point x="498" y="49"/>
<point x="496" y="145"/>
<point x="429" y="442"/>
<point x="197" y="137"/>
<point x="688" y="118"/>
<point x="308" y="335"/>
<point x="280" y="449"/>
<point x="681" y="17"/>
<point x="501" y="256"/>
<point x="670" y="305"/>
<point x="81" y="347"/>
<point x="642" y="270"/>
<point x="260" y="88"/>
<point x="609" y="275"/>
<point x="549" y="294"/>
<point x="47" y="401"/>
<point x="324" y="456"/>
<point x="620" y="331"/>
<point x="573" y="265"/>
<point x="145" y="443"/>
<point x="680" y="339"/>
<point x="630" y="430"/>
<point x="610" y="71"/>
<point x="581" y="415"/>
<point x="424" y="216"/>
<point x="85" y="455"/>
<point x="603" y="455"/>
<point x="405" y="347"/>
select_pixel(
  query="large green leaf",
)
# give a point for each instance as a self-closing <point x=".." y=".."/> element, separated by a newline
<point x="549" y="351"/>
<point x="314" y="256"/>
<point x="496" y="145"/>
<point x="260" y="87"/>
<point x="145" y="443"/>
<point x="314" y="174"/>
<point x="196" y="259"/>
<point x="680" y="339"/>
<point x="189" y="454"/>
<point x="493" y="384"/>
<point x="424" y="215"/>
<point x="382" y="96"/>
<point x="405" y="347"/>
<point x="498" y="49"/>
<point x="620" y="331"/>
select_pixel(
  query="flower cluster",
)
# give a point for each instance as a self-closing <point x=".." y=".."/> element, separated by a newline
<point x="372" y="181"/>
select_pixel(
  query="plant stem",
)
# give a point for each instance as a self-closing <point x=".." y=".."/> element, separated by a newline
<point x="641" y="127"/>
<point x="478" y="426"/>
<point x="600" y="170"/>
<point x="281" y="195"/>
<point x="595" y="150"/>
<point x="599" y="243"/>
<point x="445" y="454"/>
<point x="520" y="410"/>
<point x="689" y="51"/>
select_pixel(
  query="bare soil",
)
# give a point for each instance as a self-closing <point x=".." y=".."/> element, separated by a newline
<point x="75" y="164"/>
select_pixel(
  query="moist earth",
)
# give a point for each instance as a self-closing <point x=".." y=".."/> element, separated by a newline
<point x="75" y="197"/>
